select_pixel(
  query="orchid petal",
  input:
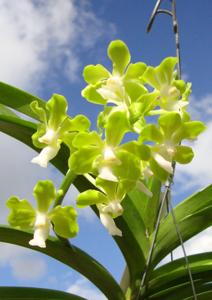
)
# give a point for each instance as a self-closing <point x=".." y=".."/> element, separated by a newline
<point x="41" y="232"/>
<point x="109" y="224"/>
<point x="163" y="163"/>
<point x="107" y="174"/>
<point x="46" y="155"/>
<point x="140" y="186"/>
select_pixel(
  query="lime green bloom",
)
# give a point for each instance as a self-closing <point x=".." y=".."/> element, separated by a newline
<point x="172" y="94"/>
<point x="107" y="159"/>
<point x="24" y="216"/>
<point x="108" y="202"/>
<point x="120" y="87"/>
<point x="100" y="154"/>
<point x="108" y="208"/>
<point x="167" y="138"/>
<point x="54" y="127"/>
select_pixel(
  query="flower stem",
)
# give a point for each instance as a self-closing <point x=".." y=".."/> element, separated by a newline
<point x="66" y="183"/>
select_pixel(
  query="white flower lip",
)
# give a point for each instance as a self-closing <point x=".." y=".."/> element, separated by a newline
<point x="163" y="163"/>
<point x="107" y="174"/>
<point x="46" y="155"/>
<point x="170" y="92"/>
<point x="113" y="207"/>
<point x="41" y="230"/>
<point x="109" y="155"/>
<point x="143" y="188"/>
<point x="49" y="137"/>
<point x="113" y="90"/>
<point x="109" y="224"/>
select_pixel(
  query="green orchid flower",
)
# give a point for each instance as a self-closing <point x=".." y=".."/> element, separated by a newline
<point x="24" y="216"/>
<point x="107" y="159"/>
<point x="120" y="87"/>
<point x="100" y="157"/>
<point x="100" y="154"/>
<point x="108" y="201"/>
<point x="172" y="94"/>
<point x="167" y="138"/>
<point x="55" y="127"/>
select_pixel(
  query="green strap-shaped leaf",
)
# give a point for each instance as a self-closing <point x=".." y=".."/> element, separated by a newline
<point x="193" y="215"/>
<point x="175" y="271"/>
<point x="28" y="293"/>
<point x="183" y="291"/>
<point x="6" y="111"/>
<point x="171" y="281"/>
<point x="18" y="99"/>
<point x="71" y="256"/>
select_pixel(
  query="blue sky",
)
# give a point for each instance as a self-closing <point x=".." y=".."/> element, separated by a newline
<point x="44" y="49"/>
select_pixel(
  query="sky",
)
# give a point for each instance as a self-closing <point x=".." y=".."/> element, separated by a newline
<point x="44" y="48"/>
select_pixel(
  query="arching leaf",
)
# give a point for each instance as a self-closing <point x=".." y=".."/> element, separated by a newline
<point x="28" y="293"/>
<point x="69" y="255"/>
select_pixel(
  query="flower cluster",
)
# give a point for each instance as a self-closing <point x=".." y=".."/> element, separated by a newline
<point x="131" y="94"/>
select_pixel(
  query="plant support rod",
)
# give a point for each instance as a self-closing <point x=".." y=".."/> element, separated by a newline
<point x="171" y="13"/>
<point x="167" y="193"/>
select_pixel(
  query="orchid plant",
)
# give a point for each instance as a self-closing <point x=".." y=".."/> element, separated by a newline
<point x="121" y="179"/>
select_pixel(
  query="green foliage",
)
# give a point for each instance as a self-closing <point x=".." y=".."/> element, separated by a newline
<point x="70" y="255"/>
<point x="26" y="293"/>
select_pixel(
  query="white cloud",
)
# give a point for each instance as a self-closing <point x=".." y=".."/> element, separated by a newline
<point x="200" y="243"/>
<point x="28" y="268"/>
<point x="199" y="172"/>
<point x="42" y="37"/>
<point x="201" y="108"/>
<point x="84" y="289"/>
<point x="24" y="264"/>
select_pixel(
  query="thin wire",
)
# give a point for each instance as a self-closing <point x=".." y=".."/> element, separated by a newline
<point x="172" y="14"/>
<point x="149" y="258"/>
<point x="184" y="251"/>
<point x="167" y="194"/>
<point x="177" y="37"/>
